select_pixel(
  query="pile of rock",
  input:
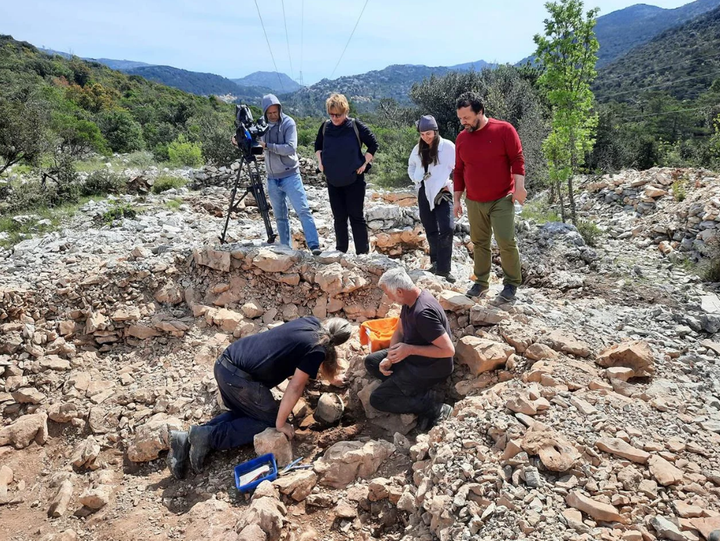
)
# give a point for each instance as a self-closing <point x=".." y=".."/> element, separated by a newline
<point x="676" y="209"/>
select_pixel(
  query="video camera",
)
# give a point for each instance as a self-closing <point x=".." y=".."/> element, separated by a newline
<point x="248" y="132"/>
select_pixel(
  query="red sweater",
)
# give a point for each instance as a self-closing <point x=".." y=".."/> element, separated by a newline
<point x="486" y="160"/>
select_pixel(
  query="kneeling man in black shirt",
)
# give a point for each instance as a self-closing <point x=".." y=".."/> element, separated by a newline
<point x="245" y="373"/>
<point x="420" y="355"/>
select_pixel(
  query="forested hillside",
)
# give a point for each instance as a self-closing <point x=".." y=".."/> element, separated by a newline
<point x="50" y="100"/>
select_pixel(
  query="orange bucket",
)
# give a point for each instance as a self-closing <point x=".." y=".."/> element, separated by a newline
<point x="378" y="332"/>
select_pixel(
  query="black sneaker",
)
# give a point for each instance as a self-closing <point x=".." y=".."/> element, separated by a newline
<point x="448" y="277"/>
<point x="199" y="438"/>
<point x="177" y="459"/>
<point x="476" y="290"/>
<point x="316" y="251"/>
<point x="433" y="268"/>
<point x="508" y="292"/>
<point x="427" y="422"/>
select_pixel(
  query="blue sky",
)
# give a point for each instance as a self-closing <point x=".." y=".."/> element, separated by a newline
<point x="225" y="36"/>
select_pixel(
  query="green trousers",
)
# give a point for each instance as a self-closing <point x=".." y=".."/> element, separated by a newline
<point x="488" y="219"/>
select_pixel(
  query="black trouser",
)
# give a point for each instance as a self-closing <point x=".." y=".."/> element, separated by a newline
<point x="439" y="227"/>
<point x="347" y="202"/>
<point x="251" y="404"/>
<point x="402" y="392"/>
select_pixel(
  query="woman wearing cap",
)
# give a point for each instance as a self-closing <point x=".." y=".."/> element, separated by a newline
<point x="245" y="373"/>
<point x="430" y="164"/>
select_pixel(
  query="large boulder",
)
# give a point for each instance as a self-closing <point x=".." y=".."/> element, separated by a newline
<point x="347" y="460"/>
<point x="482" y="355"/>
<point x="152" y="438"/>
<point x="26" y="429"/>
<point x="631" y="354"/>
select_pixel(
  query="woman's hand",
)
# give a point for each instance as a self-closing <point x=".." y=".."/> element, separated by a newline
<point x="361" y="169"/>
<point x="286" y="429"/>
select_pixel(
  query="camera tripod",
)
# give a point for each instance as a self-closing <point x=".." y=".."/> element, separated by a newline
<point x="255" y="187"/>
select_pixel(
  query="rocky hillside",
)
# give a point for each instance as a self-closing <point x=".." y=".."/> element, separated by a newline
<point x="682" y="61"/>
<point x="587" y="409"/>
<point x="622" y="30"/>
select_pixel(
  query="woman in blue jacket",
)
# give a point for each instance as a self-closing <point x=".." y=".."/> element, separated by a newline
<point x="338" y="148"/>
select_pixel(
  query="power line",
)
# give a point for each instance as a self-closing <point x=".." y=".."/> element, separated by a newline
<point x="350" y="38"/>
<point x="287" y="40"/>
<point x="277" y="72"/>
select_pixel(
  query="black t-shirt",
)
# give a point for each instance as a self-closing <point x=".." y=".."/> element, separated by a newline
<point x="271" y="357"/>
<point x="422" y="323"/>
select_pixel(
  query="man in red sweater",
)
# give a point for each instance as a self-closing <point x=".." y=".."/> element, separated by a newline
<point x="490" y="166"/>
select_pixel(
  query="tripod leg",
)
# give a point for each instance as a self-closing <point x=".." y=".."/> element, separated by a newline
<point x="232" y="205"/>
<point x="259" y="193"/>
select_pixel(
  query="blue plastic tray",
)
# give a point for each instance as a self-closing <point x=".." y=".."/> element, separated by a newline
<point x="250" y="465"/>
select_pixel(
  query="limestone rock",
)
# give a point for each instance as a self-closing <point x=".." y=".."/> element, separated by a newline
<point x="28" y="395"/>
<point x="347" y="460"/>
<point x="664" y="472"/>
<point x="487" y="315"/>
<point x="631" y="354"/>
<point x="271" y="261"/>
<point x="298" y="484"/>
<point x="666" y="529"/>
<point x="96" y="498"/>
<point x="26" y="429"/>
<point x="539" y="352"/>
<point x="454" y="301"/>
<point x="252" y="310"/>
<point x="597" y="510"/>
<point x="556" y="453"/>
<point x="152" y="438"/>
<point x="59" y="504"/>
<point x="214" y="259"/>
<point x="271" y="440"/>
<point x="482" y="355"/>
<point x="85" y="453"/>
<point x="618" y="447"/>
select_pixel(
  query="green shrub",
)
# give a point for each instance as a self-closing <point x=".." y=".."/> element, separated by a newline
<point x="119" y="211"/>
<point x="165" y="183"/>
<point x="103" y="182"/>
<point x="140" y="158"/>
<point x="183" y="152"/>
<point x="679" y="190"/>
<point x="174" y="204"/>
<point x="589" y="231"/>
<point x="539" y="212"/>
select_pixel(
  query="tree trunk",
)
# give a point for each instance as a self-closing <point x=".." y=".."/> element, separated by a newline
<point x="573" y="168"/>
<point x="558" y="188"/>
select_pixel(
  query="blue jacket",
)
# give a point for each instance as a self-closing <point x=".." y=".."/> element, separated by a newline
<point x="341" y="153"/>
<point x="281" y="158"/>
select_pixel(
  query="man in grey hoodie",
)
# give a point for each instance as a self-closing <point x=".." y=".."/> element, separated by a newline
<point x="283" y="172"/>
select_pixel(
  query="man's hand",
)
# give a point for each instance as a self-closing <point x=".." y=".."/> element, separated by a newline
<point x="398" y="352"/>
<point x="338" y="381"/>
<point x="457" y="209"/>
<point x="520" y="195"/>
<point x="385" y="366"/>
<point x="286" y="429"/>
<point x="233" y="140"/>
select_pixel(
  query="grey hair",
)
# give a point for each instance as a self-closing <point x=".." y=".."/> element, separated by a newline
<point x="395" y="279"/>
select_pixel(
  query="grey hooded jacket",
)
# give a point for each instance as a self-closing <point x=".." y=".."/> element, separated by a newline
<point x="281" y="158"/>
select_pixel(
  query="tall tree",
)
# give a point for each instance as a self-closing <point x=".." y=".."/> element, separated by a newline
<point x="567" y="54"/>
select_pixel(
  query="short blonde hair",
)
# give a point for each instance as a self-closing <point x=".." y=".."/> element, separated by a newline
<point x="338" y="102"/>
